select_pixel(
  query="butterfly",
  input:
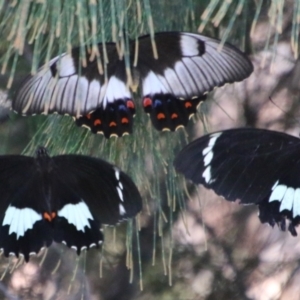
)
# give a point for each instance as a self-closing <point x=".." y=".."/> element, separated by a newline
<point x="62" y="198"/>
<point x="253" y="165"/>
<point x="172" y="82"/>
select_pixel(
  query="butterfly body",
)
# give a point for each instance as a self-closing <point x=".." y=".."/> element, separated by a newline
<point x="63" y="199"/>
<point x="250" y="165"/>
<point x="180" y="67"/>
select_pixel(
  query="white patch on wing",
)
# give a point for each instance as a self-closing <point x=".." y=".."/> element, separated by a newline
<point x="278" y="193"/>
<point x="296" y="206"/>
<point x="174" y="83"/>
<point x="207" y="174"/>
<point x="287" y="200"/>
<point x="213" y="138"/>
<point x="80" y="96"/>
<point x="120" y="194"/>
<point x="188" y="45"/>
<point x="66" y="103"/>
<point x="187" y="77"/>
<point x="275" y="184"/>
<point x="208" y="158"/>
<point x="154" y="84"/>
<point x="116" y="89"/>
<point x="76" y="214"/>
<point x="122" y="209"/>
<point x="120" y="185"/>
<point x="65" y="65"/>
<point x="20" y="220"/>
<point x="208" y="151"/>
<point x="117" y="173"/>
<point x="288" y="196"/>
<point x="93" y="95"/>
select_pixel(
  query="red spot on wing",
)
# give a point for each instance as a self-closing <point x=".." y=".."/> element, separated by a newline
<point x="124" y="121"/>
<point x="147" y="102"/>
<point x="161" y="116"/>
<point x="188" y="104"/>
<point x="89" y="116"/>
<point x="49" y="216"/>
<point x="130" y="104"/>
<point x="174" y="116"/>
<point x="97" y="122"/>
<point x="111" y="124"/>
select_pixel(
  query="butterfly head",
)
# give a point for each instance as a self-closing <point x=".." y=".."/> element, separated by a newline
<point x="41" y="152"/>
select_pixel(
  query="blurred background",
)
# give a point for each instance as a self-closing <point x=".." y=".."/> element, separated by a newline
<point x="188" y="243"/>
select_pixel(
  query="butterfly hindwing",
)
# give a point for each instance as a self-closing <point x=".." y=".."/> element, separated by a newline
<point x="252" y="165"/>
<point x="115" y="120"/>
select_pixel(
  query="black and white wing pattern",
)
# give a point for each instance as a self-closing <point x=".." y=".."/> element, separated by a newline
<point x="253" y="165"/>
<point x="187" y="68"/>
<point x="99" y="101"/>
<point x="63" y="199"/>
<point x="172" y="83"/>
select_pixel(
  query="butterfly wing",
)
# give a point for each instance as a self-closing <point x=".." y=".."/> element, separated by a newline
<point x="65" y="86"/>
<point x="188" y="66"/>
<point x="109" y="193"/>
<point x="23" y="231"/>
<point x="252" y="165"/>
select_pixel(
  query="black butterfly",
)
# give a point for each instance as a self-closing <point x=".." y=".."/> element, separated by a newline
<point x="172" y="84"/>
<point x="63" y="199"/>
<point x="253" y="165"/>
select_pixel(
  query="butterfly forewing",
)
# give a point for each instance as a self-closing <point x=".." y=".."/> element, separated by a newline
<point x="252" y="165"/>
<point x="66" y="86"/>
<point x="109" y="192"/>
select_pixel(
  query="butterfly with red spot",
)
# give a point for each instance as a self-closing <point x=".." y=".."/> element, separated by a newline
<point x="173" y="81"/>
<point x="253" y="165"/>
<point x="62" y="198"/>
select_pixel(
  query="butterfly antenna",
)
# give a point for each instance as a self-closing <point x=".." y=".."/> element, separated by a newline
<point x="224" y="111"/>
<point x="287" y="113"/>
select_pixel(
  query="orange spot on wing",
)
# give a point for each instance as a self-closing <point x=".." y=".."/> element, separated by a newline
<point x="97" y="122"/>
<point x="130" y="104"/>
<point x="49" y="216"/>
<point x="174" y="116"/>
<point x="124" y="121"/>
<point x="111" y="124"/>
<point x="147" y="102"/>
<point x="161" y="116"/>
<point x="188" y="104"/>
<point x="89" y="116"/>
